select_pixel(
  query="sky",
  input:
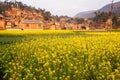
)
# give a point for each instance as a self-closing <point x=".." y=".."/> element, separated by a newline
<point x="67" y="7"/>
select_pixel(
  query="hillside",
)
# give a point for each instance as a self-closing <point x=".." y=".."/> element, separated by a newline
<point x="18" y="10"/>
<point x="106" y="8"/>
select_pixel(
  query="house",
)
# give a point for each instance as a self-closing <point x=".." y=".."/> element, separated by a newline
<point x="31" y="24"/>
<point x="49" y="26"/>
<point x="64" y="19"/>
<point x="86" y="25"/>
<point x="71" y="26"/>
<point x="52" y="27"/>
<point x="75" y="26"/>
<point x="68" y="26"/>
<point x="83" y="27"/>
<point x="2" y="22"/>
<point x="9" y="22"/>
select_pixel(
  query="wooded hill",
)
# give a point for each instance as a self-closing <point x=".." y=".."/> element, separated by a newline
<point x="106" y="8"/>
<point x="22" y="9"/>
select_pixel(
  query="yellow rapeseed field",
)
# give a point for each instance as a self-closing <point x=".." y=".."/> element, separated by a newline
<point x="59" y="55"/>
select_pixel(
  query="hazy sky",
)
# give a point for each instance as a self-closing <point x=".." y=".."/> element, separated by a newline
<point x="67" y="7"/>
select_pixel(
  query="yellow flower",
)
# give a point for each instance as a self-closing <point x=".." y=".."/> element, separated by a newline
<point x="46" y="64"/>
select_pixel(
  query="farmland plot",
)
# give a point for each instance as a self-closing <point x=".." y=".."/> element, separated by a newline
<point x="59" y="55"/>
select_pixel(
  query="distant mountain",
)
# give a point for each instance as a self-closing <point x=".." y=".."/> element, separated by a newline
<point x="106" y="8"/>
<point x="86" y="14"/>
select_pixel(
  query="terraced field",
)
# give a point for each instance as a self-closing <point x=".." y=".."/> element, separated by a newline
<point x="59" y="55"/>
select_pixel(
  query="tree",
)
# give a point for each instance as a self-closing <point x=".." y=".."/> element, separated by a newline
<point x="79" y="20"/>
<point x="47" y="15"/>
<point x="57" y="18"/>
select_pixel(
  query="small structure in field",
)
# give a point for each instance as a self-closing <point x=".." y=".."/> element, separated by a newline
<point x="2" y="22"/>
<point x="31" y="24"/>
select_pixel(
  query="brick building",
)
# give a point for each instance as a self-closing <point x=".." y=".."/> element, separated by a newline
<point x="31" y="24"/>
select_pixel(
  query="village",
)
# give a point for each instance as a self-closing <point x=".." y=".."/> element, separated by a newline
<point x="37" y="22"/>
<point x="20" y="16"/>
<point x="40" y="23"/>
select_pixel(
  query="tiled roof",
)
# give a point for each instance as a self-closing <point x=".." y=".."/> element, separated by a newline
<point x="31" y="21"/>
<point x="1" y="15"/>
<point x="8" y="18"/>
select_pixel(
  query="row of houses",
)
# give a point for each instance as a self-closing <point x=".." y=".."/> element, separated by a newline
<point x="9" y="23"/>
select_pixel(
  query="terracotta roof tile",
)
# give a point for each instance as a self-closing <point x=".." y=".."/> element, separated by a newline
<point x="31" y="21"/>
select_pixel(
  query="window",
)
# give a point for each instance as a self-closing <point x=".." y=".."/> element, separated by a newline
<point x="27" y="25"/>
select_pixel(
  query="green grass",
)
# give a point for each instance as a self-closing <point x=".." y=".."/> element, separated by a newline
<point x="59" y="55"/>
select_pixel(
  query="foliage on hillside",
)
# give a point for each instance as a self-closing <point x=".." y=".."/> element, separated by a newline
<point x="102" y="17"/>
<point x="8" y="5"/>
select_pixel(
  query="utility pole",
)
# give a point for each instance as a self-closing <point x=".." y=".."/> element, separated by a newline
<point x="112" y="8"/>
